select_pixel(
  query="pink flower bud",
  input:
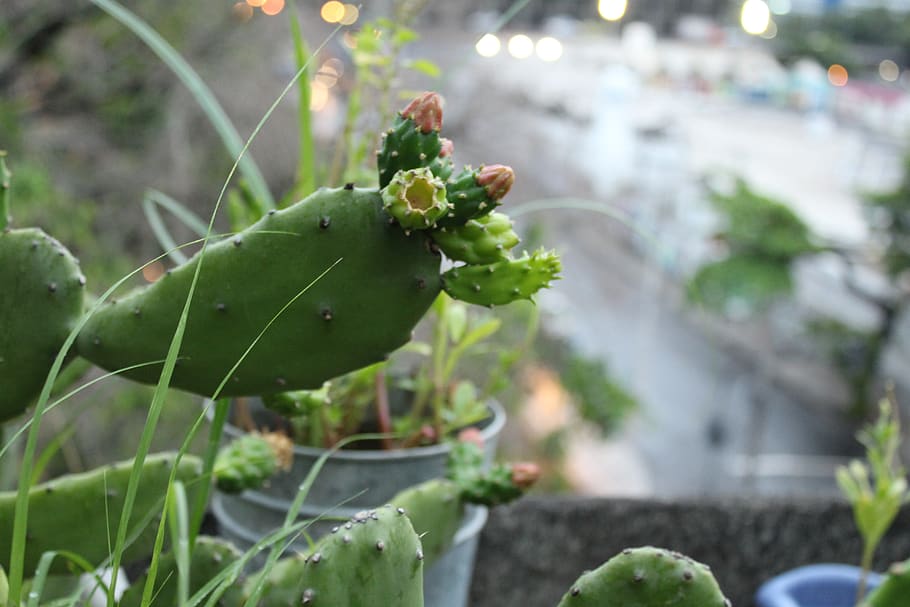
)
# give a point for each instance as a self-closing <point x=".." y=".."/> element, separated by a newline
<point x="471" y="435"/>
<point x="496" y="179"/>
<point x="525" y="474"/>
<point x="427" y="434"/>
<point x="448" y="148"/>
<point x="426" y="111"/>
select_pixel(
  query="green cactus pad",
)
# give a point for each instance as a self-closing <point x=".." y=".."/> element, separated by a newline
<point x="374" y="559"/>
<point x="502" y="282"/>
<point x="210" y="557"/>
<point x="361" y="310"/>
<point x="443" y="166"/>
<point x="245" y="463"/>
<point x="4" y="587"/>
<point x="646" y="577"/>
<point x="487" y="239"/>
<point x="409" y="144"/>
<point x="894" y="590"/>
<point x="435" y="508"/>
<point x="41" y="299"/>
<point x="415" y="198"/>
<point x="78" y="512"/>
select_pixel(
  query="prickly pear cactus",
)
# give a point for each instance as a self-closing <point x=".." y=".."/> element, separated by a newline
<point x="298" y="402"/>
<point x="413" y="141"/>
<point x="894" y="591"/>
<point x="435" y="508"/>
<point x="249" y="461"/>
<point x="504" y="281"/>
<point x="355" y="315"/>
<point x="210" y="557"/>
<point x="415" y="198"/>
<point x="476" y="192"/>
<point x="484" y="240"/>
<point x="374" y="559"/>
<point x="646" y="577"/>
<point x="77" y="512"/>
<point x="41" y="299"/>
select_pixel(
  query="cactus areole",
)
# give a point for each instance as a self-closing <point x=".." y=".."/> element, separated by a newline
<point x="362" y="309"/>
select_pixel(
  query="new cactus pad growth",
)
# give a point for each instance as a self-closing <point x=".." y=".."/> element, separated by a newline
<point x="646" y="577"/>
<point x="77" y="512"/>
<point x="249" y="461"/>
<point x="476" y="192"/>
<point x="41" y="299"/>
<point x="504" y="281"/>
<point x="374" y="559"/>
<point x="413" y="140"/>
<point x="364" y="307"/>
<point x="484" y="240"/>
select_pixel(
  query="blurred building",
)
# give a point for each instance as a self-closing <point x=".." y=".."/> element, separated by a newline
<point x="820" y="6"/>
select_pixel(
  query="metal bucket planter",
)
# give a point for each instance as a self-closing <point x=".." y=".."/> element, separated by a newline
<point x="351" y="481"/>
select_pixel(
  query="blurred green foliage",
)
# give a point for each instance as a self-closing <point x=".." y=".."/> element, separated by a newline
<point x="855" y="355"/>
<point x="891" y="218"/>
<point x="762" y="237"/>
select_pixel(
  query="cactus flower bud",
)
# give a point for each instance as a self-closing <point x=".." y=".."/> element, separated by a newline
<point x="525" y="474"/>
<point x="447" y="147"/>
<point x="416" y="198"/>
<point x="471" y="435"/>
<point x="496" y="179"/>
<point x="425" y="111"/>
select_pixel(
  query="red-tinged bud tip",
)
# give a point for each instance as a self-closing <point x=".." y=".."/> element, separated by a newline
<point x="525" y="474"/>
<point x="448" y="148"/>
<point x="426" y="111"/>
<point x="427" y="434"/>
<point x="471" y="435"/>
<point x="496" y="179"/>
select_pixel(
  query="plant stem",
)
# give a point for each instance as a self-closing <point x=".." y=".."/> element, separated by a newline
<point x="383" y="416"/>
<point x="865" y="566"/>
<point x="4" y="191"/>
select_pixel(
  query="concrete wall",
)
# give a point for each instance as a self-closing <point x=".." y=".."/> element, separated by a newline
<point x="531" y="553"/>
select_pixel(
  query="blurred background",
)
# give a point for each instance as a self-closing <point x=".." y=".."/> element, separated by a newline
<point x="727" y="182"/>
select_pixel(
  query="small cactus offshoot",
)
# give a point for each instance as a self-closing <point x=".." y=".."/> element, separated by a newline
<point x="476" y="192"/>
<point x="504" y="281"/>
<point x="251" y="460"/>
<point x="487" y="239"/>
<point x="413" y="141"/>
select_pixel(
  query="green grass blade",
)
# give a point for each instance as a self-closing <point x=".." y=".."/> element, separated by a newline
<point x="180" y="545"/>
<point x="43" y="570"/>
<point x="203" y="95"/>
<point x="150" y="203"/>
<point x="306" y="162"/>
<point x="222" y="408"/>
<point x="50" y="451"/>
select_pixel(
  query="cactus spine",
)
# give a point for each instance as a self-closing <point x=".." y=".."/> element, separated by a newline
<point x="413" y="141"/>
<point x="476" y="192"/>
<point x="68" y="513"/>
<point x="484" y="240"/>
<point x="646" y="577"/>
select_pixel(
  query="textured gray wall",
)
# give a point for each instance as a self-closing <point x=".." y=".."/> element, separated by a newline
<point x="531" y="552"/>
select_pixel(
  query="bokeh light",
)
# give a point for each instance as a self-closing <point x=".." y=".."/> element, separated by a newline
<point x="319" y="96"/>
<point x="548" y="48"/>
<point x="255" y="3"/>
<point x="520" y="46"/>
<point x="350" y="16"/>
<point x="332" y="11"/>
<point x="780" y="7"/>
<point x="488" y="46"/>
<point x="612" y="10"/>
<point x="770" y="32"/>
<point x="837" y="75"/>
<point x="272" y="7"/>
<point x="242" y="12"/>
<point x="329" y="73"/>
<point x="889" y="71"/>
<point x="755" y="17"/>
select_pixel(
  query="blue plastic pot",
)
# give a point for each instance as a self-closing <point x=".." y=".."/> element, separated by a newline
<point x="824" y="585"/>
